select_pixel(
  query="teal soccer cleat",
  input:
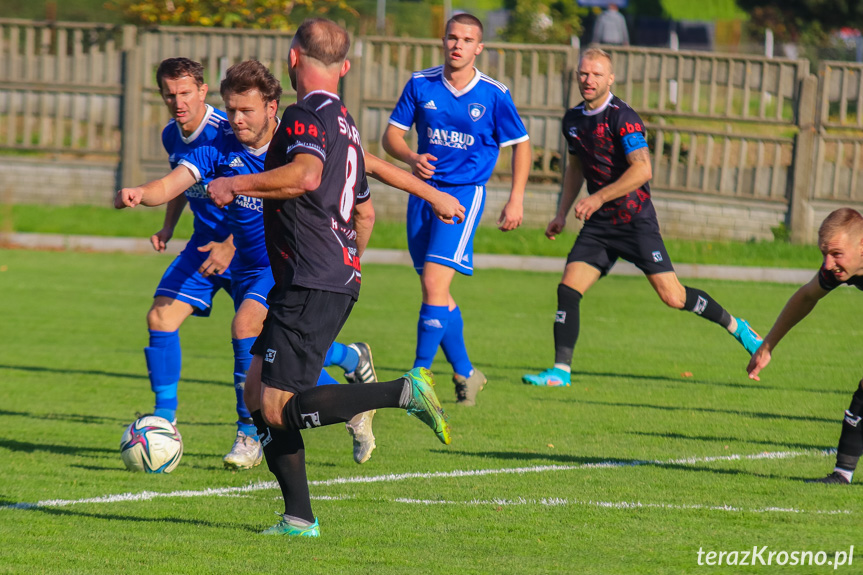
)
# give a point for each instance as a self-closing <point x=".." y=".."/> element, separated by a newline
<point x="424" y="404"/>
<point x="747" y="336"/>
<point x="285" y="527"/>
<point x="553" y="377"/>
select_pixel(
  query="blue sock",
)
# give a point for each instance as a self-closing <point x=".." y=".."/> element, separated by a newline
<point x="242" y="361"/>
<point x="164" y="358"/>
<point x="342" y="356"/>
<point x="326" y="379"/>
<point x="430" y="330"/>
<point x="453" y="344"/>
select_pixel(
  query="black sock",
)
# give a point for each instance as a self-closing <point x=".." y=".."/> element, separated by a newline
<point x="329" y="404"/>
<point x="286" y="457"/>
<point x="851" y="439"/>
<point x="566" y="323"/>
<point x="700" y="303"/>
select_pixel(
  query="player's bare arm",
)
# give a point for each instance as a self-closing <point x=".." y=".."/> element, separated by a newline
<point x="394" y="143"/>
<point x="157" y="192"/>
<point x="173" y="211"/>
<point x="573" y="179"/>
<point x="513" y="212"/>
<point x="636" y="175"/>
<point x="220" y="256"/>
<point x="364" y="221"/>
<point x="301" y="175"/>
<point x="446" y="207"/>
<point x="798" y="307"/>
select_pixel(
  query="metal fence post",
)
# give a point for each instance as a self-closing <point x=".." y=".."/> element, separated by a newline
<point x="131" y="110"/>
<point x="803" y="161"/>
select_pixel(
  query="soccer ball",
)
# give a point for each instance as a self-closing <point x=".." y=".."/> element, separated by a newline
<point x="151" y="444"/>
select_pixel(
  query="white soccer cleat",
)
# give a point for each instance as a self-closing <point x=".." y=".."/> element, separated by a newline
<point x="246" y="453"/>
<point x="360" y="428"/>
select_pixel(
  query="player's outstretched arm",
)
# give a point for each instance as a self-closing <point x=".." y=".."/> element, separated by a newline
<point x="395" y="145"/>
<point x="173" y="211"/>
<point x="636" y="175"/>
<point x="446" y="207"/>
<point x="798" y="307"/>
<point x="513" y="212"/>
<point x="301" y="175"/>
<point x="573" y="179"/>
<point x="157" y="192"/>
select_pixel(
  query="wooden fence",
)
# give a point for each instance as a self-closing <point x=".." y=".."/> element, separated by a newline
<point x="719" y="125"/>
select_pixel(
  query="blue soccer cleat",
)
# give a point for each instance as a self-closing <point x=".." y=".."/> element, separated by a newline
<point x="553" y="377"/>
<point x="747" y="336"/>
<point x="285" y="527"/>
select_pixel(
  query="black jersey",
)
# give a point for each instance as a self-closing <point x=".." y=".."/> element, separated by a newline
<point x="601" y="139"/>
<point x="311" y="241"/>
<point x="828" y="281"/>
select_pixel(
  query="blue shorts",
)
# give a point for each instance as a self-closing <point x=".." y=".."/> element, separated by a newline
<point x="252" y="284"/>
<point x="182" y="281"/>
<point x="450" y="245"/>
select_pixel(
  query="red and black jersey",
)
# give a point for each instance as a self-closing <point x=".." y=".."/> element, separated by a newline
<point x="311" y="241"/>
<point x="601" y="139"/>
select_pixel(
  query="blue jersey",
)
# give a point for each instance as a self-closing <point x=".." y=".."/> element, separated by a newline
<point x="463" y="129"/>
<point x="225" y="156"/>
<point x="210" y="222"/>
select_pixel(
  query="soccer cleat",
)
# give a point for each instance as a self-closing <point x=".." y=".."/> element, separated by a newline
<point x="747" y="336"/>
<point x="246" y="453"/>
<point x="285" y="527"/>
<point x="834" y="478"/>
<point x="365" y="370"/>
<point x="553" y="377"/>
<point x="424" y="404"/>
<point x="467" y="388"/>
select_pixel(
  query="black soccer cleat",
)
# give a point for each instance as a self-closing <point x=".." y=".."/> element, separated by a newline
<point x="834" y="478"/>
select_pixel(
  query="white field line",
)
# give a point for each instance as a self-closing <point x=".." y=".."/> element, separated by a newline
<point x="264" y="485"/>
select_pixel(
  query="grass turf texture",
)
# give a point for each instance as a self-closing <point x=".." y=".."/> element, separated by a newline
<point x="142" y="223"/>
<point x="72" y="376"/>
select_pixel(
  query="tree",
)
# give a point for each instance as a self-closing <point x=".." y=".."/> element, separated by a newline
<point x="792" y="19"/>
<point x="267" y="14"/>
<point x="543" y="21"/>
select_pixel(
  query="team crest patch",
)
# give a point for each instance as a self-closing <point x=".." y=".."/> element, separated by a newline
<point x="476" y="111"/>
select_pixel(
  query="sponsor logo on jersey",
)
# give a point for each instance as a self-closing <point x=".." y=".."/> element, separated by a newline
<point x="657" y="256"/>
<point x="351" y="132"/>
<point x="430" y="105"/>
<point x="197" y="191"/>
<point x="350" y="258"/>
<point x="450" y="138"/>
<point x="631" y="128"/>
<point x="700" y="305"/>
<point x="271" y="356"/>
<point x="311" y="419"/>
<point x="254" y="204"/>
<point x="476" y="111"/>
<point x="560" y="316"/>
<point x="236" y="162"/>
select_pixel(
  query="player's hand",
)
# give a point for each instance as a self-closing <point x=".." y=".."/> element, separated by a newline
<point x="554" y="227"/>
<point x="221" y="254"/>
<point x="448" y="209"/>
<point x="221" y="191"/>
<point x="161" y="238"/>
<point x="128" y="198"/>
<point x="585" y="207"/>
<point x="422" y="167"/>
<point x="757" y="362"/>
<point x="510" y="216"/>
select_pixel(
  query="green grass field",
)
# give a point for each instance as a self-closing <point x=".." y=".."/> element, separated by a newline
<point x="632" y="470"/>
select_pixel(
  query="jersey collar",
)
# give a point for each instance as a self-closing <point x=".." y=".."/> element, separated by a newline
<point x="468" y="88"/>
<point x="199" y="129"/>
<point x="601" y="108"/>
<point x="330" y="94"/>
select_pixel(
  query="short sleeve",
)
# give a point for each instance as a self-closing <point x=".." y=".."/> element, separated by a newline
<point x="629" y="130"/>
<point x="364" y="194"/>
<point x="509" y="129"/>
<point x="405" y="111"/>
<point x="305" y="133"/>
<point x="202" y="162"/>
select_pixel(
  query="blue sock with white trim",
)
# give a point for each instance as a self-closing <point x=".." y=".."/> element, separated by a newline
<point x="431" y="328"/>
<point x="326" y="379"/>
<point x="164" y="359"/>
<point x="343" y="356"/>
<point x="453" y="344"/>
<point x="242" y="361"/>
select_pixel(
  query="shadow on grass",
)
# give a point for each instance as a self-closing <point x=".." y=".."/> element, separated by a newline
<point x="97" y="372"/>
<point x="80" y="450"/>
<point x="720" y="439"/>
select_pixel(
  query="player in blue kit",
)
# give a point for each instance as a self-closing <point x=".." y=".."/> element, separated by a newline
<point x="462" y="118"/>
<point x="251" y="96"/>
<point x="607" y="148"/>
<point x="840" y="238"/>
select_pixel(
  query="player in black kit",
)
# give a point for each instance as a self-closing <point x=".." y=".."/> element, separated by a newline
<point x="607" y="148"/>
<point x="318" y="216"/>
<point x="840" y="238"/>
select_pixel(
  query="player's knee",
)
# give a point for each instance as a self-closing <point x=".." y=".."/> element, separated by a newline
<point x="672" y="300"/>
<point x="156" y="319"/>
<point x="272" y="415"/>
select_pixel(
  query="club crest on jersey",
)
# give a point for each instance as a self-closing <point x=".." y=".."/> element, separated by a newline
<point x="476" y="111"/>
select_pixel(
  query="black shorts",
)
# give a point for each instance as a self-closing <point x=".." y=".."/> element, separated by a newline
<point x="638" y="242"/>
<point x="299" y="329"/>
